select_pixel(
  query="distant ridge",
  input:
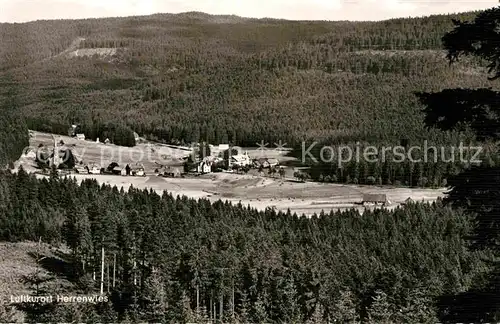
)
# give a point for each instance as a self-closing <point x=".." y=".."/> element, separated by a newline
<point x="231" y="18"/>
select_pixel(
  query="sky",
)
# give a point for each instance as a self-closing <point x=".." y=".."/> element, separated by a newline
<point x="28" y="10"/>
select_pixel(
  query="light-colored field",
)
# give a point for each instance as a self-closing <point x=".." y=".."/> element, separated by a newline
<point x="103" y="52"/>
<point x="257" y="191"/>
<point x="261" y="193"/>
<point x="100" y="154"/>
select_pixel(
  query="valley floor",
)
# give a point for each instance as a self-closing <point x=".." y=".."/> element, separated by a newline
<point x="258" y="191"/>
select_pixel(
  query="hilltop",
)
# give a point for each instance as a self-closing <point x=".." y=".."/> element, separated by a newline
<point x="193" y="76"/>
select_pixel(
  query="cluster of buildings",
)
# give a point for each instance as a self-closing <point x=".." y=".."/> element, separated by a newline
<point x="220" y="157"/>
<point x="113" y="168"/>
<point x="226" y="157"/>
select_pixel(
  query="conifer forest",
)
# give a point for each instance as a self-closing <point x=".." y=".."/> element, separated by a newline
<point x="192" y="77"/>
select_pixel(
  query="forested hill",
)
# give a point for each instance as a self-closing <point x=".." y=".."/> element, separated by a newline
<point x="14" y="136"/>
<point x="195" y="76"/>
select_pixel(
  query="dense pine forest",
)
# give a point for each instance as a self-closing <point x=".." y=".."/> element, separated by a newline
<point x="13" y="130"/>
<point x="191" y="77"/>
<point x="182" y="260"/>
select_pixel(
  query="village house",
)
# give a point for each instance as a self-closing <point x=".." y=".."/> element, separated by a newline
<point x="273" y="162"/>
<point x="80" y="137"/>
<point x="265" y="163"/>
<point x="204" y="166"/>
<point x="240" y="160"/>
<point x="261" y="162"/>
<point x="138" y="170"/>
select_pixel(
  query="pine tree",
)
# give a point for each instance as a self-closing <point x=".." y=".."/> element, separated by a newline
<point x="155" y="298"/>
<point x="259" y="309"/>
<point x="380" y="310"/>
<point x="243" y="315"/>
<point x="344" y="308"/>
<point x="317" y="316"/>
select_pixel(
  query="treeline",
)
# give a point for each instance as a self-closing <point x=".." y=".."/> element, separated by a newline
<point x="174" y="259"/>
<point x="420" y="164"/>
<point x="411" y="174"/>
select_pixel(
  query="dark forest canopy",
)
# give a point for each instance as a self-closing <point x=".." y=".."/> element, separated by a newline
<point x="382" y="266"/>
<point x="192" y="76"/>
<point x="14" y="136"/>
<point x="475" y="189"/>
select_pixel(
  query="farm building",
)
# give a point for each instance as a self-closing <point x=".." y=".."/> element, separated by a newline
<point x="375" y="199"/>
<point x="80" y="169"/>
<point x="408" y="201"/>
<point x="119" y="171"/>
<point x="170" y="171"/>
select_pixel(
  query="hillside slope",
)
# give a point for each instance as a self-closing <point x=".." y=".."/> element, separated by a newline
<point x="22" y="265"/>
<point x="194" y="76"/>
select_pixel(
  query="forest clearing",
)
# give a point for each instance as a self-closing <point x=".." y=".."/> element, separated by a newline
<point x="258" y="191"/>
